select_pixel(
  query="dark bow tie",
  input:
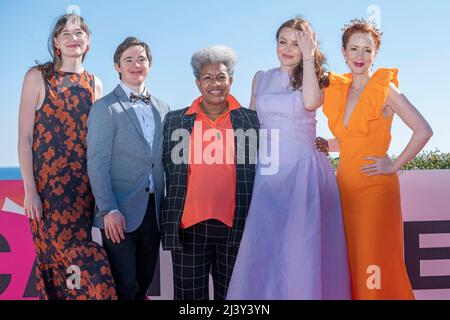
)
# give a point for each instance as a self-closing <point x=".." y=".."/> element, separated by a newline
<point x="134" y="98"/>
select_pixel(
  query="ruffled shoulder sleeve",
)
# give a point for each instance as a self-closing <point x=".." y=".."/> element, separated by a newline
<point x="385" y="76"/>
<point x="378" y="92"/>
<point x="334" y="97"/>
<point x="337" y="79"/>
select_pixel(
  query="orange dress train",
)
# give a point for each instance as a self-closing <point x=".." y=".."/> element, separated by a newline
<point x="371" y="205"/>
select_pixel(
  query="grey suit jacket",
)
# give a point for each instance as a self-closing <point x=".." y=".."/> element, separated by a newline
<point x="120" y="160"/>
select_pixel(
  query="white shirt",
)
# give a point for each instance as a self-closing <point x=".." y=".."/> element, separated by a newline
<point x="144" y="113"/>
<point x="146" y="119"/>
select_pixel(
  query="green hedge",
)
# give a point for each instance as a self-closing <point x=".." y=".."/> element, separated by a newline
<point x="427" y="160"/>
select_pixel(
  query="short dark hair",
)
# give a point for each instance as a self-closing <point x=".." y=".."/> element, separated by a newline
<point x="128" y="43"/>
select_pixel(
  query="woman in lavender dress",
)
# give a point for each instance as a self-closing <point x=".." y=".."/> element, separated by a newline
<point x="293" y="247"/>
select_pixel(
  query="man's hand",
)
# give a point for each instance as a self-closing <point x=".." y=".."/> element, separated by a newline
<point x="115" y="227"/>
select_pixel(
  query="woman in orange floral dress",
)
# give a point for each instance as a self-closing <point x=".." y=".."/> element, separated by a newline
<point x="55" y="103"/>
<point x="360" y="108"/>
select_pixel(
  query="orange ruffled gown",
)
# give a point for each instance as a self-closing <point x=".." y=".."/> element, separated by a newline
<point x="371" y="205"/>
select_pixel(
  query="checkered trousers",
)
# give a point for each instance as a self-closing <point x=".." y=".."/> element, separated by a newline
<point x="206" y="249"/>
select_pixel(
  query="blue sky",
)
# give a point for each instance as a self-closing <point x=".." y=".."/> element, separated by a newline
<point x="415" y="40"/>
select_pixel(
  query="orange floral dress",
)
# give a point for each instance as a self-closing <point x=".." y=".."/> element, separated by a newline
<point x="64" y="247"/>
<point x="371" y="205"/>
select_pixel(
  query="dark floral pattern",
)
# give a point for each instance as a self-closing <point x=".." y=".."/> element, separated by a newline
<point x="63" y="238"/>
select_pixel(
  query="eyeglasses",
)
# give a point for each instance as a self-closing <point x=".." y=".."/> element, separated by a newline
<point x="69" y="35"/>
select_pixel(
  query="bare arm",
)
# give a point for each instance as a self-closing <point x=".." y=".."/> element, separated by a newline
<point x="422" y="133"/>
<point x="327" y="146"/>
<point x="254" y="85"/>
<point x="33" y="92"/>
<point x="312" y="94"/>
<point x="334" y="145"/>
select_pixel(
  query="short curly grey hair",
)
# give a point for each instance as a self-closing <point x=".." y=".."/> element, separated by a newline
<point x="214" y="54"/>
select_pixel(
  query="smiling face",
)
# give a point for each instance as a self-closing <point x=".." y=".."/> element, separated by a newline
<point x="214" y="84"/>
<point x="360" y="52"/>
<point x="288" y="50"/>
<point x="73" y="40"/>
<point x="133" y="66"/>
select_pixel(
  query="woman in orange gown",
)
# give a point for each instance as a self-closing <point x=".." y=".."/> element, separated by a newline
<point x="360" y="108"/>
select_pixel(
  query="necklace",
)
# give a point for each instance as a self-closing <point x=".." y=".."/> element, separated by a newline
<point x="217" y="127"/>
<point x="223" y="127"/>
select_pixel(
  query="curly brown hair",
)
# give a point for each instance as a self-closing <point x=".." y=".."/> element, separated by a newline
<point x="300" y="24"/>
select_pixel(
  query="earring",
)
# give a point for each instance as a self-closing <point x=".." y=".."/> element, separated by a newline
<point x="87" y="49"/>
<point x="58" y="52"/>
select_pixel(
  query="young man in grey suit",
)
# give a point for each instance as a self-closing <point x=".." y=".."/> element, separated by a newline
<point x="125" y="145"/>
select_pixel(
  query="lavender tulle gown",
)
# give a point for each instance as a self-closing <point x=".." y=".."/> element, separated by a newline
<point x="293" y="247"/>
